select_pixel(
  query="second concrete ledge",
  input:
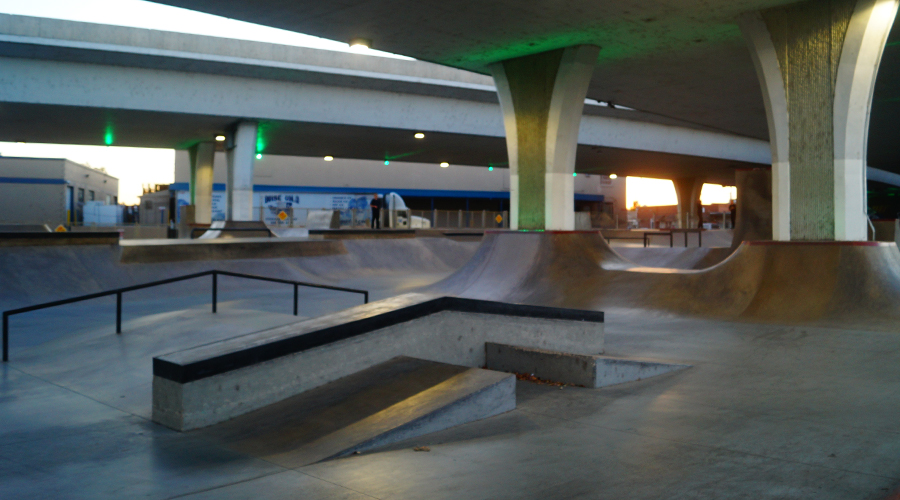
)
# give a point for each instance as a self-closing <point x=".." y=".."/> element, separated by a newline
<point x="577" y="369"/>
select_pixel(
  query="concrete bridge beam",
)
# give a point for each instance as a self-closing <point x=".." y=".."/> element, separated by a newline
<point x="241" y="150"/>
<point x="817" y="62"/>
<point x="202" y="155"/>
<point x="542" y="99"/>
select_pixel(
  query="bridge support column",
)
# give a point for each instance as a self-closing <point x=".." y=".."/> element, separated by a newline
<point x="542" y="98"/>
<point x="688" y="191"/>
<point x="202" y="155"/>
<point x="241" y="153"/>
<point x="817" y="62"/>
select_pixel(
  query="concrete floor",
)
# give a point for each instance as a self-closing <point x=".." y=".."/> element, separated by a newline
<point x="767" y="411"/>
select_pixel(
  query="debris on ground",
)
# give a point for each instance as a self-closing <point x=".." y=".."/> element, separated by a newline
<point x="421" y="448"/>
<point x="529" y="377"/>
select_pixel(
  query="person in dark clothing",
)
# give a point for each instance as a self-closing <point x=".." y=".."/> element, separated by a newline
<point x="733" y="209"/>
<point x="376" y="212"/>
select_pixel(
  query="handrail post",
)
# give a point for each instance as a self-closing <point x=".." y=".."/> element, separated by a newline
<point x="5" y="337"/>
<point x="215" y="288"/>
<point x="119" y="313"/>
<point x="366" y="298"/>
<point x="296" y="295"/>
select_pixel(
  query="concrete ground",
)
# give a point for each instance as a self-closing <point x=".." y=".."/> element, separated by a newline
<point x="767" y="411"/>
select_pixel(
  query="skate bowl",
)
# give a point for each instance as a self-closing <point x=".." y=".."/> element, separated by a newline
<point x="839" y="282"/>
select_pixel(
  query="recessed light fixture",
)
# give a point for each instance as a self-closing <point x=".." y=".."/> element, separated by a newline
<point x="613" y="176"/>
<point x="387" y="162"/>
<point x="419" y="135"/>
<point x="574" y="174"/>
<point x="490" y="169"/>
<point x="220" y="138"/>
<point x="445" y="165"/>
<point x="360" y="44"/>
<point x="259" y="156"/>
<point x="329" y="158"/>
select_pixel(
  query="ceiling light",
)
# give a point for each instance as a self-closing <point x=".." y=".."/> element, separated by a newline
<point x="220" y="138"/>
<point x="419" y="135"/>
<point x="574" y="174"/>
<point x="490" y="169"/>
<point x="259" y="156"/>
<point x="613" y="176"/>
<point x="329" y="158"/>
<point x="360" y="44"/>
<point x="445" y="165"/>
<point x="387" y="162"/>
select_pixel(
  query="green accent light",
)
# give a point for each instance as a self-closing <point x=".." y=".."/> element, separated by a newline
<point x="387" y="162"/>
<point x="259" y="156"/>
<point x="109" y="138"/>
<point x="574" y="174"/>
<point x="490" y="169"/>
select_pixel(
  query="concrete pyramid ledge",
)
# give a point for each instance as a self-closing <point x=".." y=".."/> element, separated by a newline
<point x="576" y="369"/>
<point x="400" y="399"/>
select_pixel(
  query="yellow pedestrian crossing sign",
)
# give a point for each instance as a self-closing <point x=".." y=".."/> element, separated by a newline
<point x="499" y="218"/>
<point x="282" y="215"/>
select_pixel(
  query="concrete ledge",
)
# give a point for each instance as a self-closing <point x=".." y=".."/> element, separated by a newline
<point x="154" y="251"/>
<point x="363" y="234"/>
<point x="568" y="368"/>
<point x="18" y="239"/>
<point x="219" y="381"/>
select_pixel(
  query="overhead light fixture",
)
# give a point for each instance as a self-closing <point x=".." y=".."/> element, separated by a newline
<point x="360" y="44"/>
<point x="259" y="156"/>
<point x="419" y="135"/>
<point x="220" y="138"/>
<point x="329" y="158"/>
<point x="613" y="176"/>
<point x="445" y="165"/>
<point x="387" y="162"/>
<point x="574" y="174"/>
<point x="490" y="169"/>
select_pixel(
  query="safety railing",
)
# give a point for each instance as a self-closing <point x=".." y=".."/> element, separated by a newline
<point x="119" y="291"/>
<point x="464" y="219"/>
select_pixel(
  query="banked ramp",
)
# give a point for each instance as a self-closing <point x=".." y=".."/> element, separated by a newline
<point x="400" y="399"/>
<point x="828" y="282"/>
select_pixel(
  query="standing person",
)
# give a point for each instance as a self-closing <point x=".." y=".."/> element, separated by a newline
<point x="733" y="209"/>
<point x="375" y="204"/>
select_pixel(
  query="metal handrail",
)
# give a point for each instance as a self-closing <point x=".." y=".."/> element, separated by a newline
<point x="119" y="291"/>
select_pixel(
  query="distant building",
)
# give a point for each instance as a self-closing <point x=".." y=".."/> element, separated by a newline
<point x="422" y="186"/>
<point x="52" y="191"/>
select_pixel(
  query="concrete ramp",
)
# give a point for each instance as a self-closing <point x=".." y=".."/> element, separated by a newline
<point x="396" y="400"/>
<point x="786" y="282"/>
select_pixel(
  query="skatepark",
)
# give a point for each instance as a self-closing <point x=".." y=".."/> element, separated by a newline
<point x="544" y="357"/>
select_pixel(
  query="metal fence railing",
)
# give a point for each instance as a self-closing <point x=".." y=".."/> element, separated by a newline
<point x="119" y="291"/>
<point x="464" y="219"/>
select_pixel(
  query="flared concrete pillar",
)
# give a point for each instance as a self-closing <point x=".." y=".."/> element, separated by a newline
<point x="542" y="98"/>
<point x="202" y="156"/>
<point x="241" y="153"/>
<point x="817" y="62"/>
<point x="754" y="206"/>
<point x="687" y="190"/>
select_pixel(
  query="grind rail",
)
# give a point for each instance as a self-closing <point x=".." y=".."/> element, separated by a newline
<point x="119" y="291"/>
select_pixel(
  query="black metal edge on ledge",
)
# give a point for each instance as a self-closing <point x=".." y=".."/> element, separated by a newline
<point x="217" y="365"/>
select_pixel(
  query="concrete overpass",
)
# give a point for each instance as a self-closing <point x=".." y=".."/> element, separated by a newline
<point x="80" y="83"/>
<point x="816" y="63"/>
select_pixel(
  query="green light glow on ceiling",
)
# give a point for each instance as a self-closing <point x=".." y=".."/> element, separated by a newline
<point x="109" y="137"/>
<point x="490" y="169"/>
<point x="574" y="174"/>
<point x="259" y="156"/>
<point x="387" y="162"/>
<point x="619" y="40"/>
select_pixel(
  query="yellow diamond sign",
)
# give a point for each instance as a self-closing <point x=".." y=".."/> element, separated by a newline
<point x="60" y="229"/>
<point x="282" y="215"/>
<point x="499" y="218"/>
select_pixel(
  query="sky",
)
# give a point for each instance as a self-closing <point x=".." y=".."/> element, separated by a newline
<point x="134" y="166"/>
